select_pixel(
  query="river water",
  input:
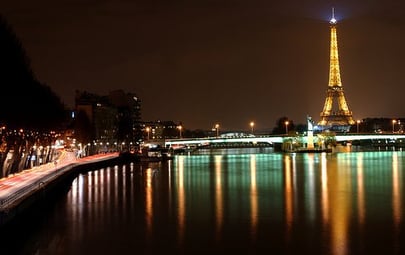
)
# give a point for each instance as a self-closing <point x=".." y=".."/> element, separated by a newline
<point x="229" y="201"/>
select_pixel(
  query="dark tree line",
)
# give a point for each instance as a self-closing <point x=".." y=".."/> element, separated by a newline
<point x="26" y="104"/>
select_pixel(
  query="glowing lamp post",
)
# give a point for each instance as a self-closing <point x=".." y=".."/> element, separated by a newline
<point x="217" y="129"/>
<point x="393" y="125"/>
<point x="180" y="128"/>
<point x="148" y="131"/>
<point x="252" y="124"/>
<point x="358" y="122"/>
<point x="286" y="126"/>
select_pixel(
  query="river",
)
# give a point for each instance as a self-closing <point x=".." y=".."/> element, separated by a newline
<point x="233" y="201"/>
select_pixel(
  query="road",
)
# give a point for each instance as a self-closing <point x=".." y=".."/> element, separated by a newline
<point x="17" y="186"/>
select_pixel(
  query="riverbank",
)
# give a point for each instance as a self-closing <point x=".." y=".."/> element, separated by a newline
<point x="21" y="191"/>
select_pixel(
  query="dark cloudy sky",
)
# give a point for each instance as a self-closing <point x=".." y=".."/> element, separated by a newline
<point x="218" y="61"/>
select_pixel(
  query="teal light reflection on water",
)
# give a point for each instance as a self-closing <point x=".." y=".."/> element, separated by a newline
<point x="334" y="192"/>
<point x="322" y="203"/>
<point x="239" y="184"/>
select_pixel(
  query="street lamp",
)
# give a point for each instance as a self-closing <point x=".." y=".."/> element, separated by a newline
<point x="393" y="125"/>
<point x="252" y="124"/>
<point x="147" y="131"/>
<point x="180" y="127"/>
<point x="217" y="129"/>
<point x="286" y="126"/>
<point x="358" y="122"/>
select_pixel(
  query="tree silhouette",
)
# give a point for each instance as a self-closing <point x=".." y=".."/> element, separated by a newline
<point x="25" y="104"/>
<point x="280" y="127"/>
<point x="24" y="101"/>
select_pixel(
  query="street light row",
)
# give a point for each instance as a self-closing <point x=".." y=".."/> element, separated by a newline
<point x="147" y="129"/>
<point x="216" y="129"/>
<point x="252" y="124"/>
<point x="394" y="121"/>
<point x="393" y="125"/>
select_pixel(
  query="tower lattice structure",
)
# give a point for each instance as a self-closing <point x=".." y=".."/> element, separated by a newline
<point x="335" y="111"/>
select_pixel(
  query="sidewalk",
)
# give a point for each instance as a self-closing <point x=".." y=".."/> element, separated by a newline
<point x="17" y="187"/>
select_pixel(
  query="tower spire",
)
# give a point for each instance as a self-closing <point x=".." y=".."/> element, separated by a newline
<point x="334" y="70"/>
<point x="340" y="118"/>
<point x="333" y="20"/>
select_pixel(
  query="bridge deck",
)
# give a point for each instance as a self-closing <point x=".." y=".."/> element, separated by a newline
<point x="273" y="139"/>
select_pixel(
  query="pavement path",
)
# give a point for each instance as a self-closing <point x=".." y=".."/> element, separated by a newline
<point x="17" y="186"/>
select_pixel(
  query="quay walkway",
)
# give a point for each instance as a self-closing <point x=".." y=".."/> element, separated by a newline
<point x="17" y="189"/>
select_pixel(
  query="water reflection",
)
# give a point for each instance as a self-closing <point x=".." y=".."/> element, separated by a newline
<point x="181" y="199"/>
<point x="253" y="197"/>
<point x="149" y="200"/>
<point x="208" y="204"/>
<point x="360" y="189"/>
<point x="219" y="206"/>
<point x="397" y="189"/>
<point x="310" y="191"/>
<point x="340" y="193"/>
<point x="324" y="191"/>
<point x="289" y="196"/>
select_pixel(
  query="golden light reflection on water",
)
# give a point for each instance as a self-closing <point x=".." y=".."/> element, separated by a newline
<point x="253" y="196"/>
<point x="396" y="189"/>
<point x="335" y="192"/>
<point x="123" y="211"/>
<point x="340" y="194"/>
<point x="181" y="199"/>
<point x="149" y="200"/>
<point x="169" y="180"/>
<point x="131" y="187"/>
<point x="361" y="208"/>
<point x="219" y="203"/>
<point x="289" y="197"/>
<point x="76" y="199"/>
<point x="310" y="191"/>
<point x="324" y="190"/>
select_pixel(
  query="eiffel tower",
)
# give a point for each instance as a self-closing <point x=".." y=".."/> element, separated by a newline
<point x="336" y="114"/>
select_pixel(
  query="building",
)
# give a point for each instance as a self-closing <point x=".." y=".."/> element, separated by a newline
<point x="160" y="130"/>
<point x="381" y="125"/>
<point x="110" y="122"/>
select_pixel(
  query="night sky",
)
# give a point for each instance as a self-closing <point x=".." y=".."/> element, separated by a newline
<point x="230" y="62"/>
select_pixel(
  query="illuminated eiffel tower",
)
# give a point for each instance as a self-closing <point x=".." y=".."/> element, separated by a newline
<point x="336" y="114"/>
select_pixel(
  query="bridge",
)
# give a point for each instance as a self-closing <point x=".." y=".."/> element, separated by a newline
<point x="277" y="139"/>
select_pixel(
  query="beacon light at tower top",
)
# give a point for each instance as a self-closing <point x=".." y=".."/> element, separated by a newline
<point x="333" y="21"/>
